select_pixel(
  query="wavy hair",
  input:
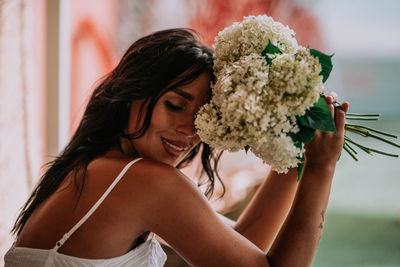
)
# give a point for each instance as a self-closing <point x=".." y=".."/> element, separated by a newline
<point x="146" y="71"/>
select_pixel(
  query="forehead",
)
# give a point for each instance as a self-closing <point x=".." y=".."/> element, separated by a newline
<point x="199" y="88"/>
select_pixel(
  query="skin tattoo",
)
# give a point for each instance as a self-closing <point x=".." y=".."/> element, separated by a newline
<point x="321" y="224"/>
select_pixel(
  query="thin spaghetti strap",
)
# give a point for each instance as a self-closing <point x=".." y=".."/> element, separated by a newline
<point x="153" y="235"/>
<point x="95" y="206"/>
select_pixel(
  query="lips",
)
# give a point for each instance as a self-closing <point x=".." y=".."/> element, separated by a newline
<point x="174" y="148"/>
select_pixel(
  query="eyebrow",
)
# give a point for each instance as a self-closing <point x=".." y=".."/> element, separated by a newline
<point x="183" y="94"/>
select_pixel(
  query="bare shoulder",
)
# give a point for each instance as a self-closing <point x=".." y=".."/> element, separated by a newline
<point x="148" y="184"/>
<point x="157" y="176"/>
<point x="156" y="184"/>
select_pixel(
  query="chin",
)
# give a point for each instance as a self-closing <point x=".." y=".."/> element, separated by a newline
<point x="171" y="160"/>
<point x="166" y="159"/>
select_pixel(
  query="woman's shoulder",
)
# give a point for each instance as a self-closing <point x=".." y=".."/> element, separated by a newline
<point x="149" y="189"/>
<point x="143" y="179"/>
<point x="157" y="176"/>
<point x="141" y="167"/>
<point x="155" y="169"/>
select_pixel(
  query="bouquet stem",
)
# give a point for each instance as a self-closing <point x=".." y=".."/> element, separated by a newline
<point x="365" y="131"/>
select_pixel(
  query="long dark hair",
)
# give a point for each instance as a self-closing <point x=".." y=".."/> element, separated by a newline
<point x="145" y="72"/>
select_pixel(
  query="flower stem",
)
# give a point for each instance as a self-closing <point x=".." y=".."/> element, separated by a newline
<point x="352" y="149"/>
<point x="366" y="133"/>
<point x="369" y="150"/>
<point x="365" y="149"/>
<point x="345" y="147"/>
<point x="363" y="114"/>
<point x="356" y="131"/>
<point x="361" y="119"/>
<point x="372" y="130"/>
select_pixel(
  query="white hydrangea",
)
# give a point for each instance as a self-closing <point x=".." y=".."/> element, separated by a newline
<point x="278" y="151"/>
<point x="295" y="81"/>
<point x="255" y="104"/>
<point x="251" y="36"/>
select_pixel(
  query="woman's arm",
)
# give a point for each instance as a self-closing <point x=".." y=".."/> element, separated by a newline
<point x="264" y="215"/>
<point x="299" y="237"/>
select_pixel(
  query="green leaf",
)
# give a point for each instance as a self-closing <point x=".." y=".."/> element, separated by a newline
<point x="319" y="117"/>
<point x="246" y="148"/>
<point x="325" y="61"/>
<point x="297" y="143"/>
<point x="302" y="121"/>
<point x="300" y="169"/>
<point x="305" y="134"/>
<point x="270" y="49"/>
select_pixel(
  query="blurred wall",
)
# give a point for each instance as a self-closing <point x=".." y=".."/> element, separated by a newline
<point x="93" y="30"/>
<point x="22" y="108"/>
<point x="209" y="17"/>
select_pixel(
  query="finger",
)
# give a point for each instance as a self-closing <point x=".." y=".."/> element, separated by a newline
<point x="340" y="119"/>
<point x="345" y="105"/>
<point x="332" y="109"/>
<point x="334" y="96"/>
<point x="329" y="101"/>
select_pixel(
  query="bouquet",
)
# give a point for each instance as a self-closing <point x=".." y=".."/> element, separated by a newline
<point x="267" y="95"/>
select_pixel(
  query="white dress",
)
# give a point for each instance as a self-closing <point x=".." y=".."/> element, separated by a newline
<point x="147" y="254"/>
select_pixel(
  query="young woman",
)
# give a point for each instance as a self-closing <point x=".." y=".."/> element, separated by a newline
<point x="116" y="181"/>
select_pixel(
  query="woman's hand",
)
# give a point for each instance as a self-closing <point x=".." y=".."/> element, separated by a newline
<point x="325" y="147"/>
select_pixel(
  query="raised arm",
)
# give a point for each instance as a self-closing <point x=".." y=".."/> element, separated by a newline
<point x="299" y="237"/>
<point x="264" y="215"/>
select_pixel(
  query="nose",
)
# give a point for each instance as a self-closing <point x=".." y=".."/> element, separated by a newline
<point x="186" y="131"/>
<point x="186" y="128"/>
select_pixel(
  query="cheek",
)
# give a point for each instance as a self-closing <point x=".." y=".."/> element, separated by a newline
<point x="196" y="140"/>
<point x="135" y="122"/>
<point x="161" y="120"/>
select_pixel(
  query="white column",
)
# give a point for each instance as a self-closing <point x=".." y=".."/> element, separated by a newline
<point x="64" y="75"/>
<point x="52" y="78"/>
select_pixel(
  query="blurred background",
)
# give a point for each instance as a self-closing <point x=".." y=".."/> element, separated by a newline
<point x="52" y="53"/>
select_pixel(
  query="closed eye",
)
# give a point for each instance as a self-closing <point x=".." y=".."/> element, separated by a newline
<point x="172" y="107"/>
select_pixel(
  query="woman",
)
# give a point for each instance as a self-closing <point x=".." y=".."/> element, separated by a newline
<point x="116" y="180"/>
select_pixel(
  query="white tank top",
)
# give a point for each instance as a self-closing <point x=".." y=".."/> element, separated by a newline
<point x="147" y="254"/>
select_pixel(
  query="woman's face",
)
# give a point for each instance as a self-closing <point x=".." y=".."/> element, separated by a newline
<point x="171" y="133"/>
